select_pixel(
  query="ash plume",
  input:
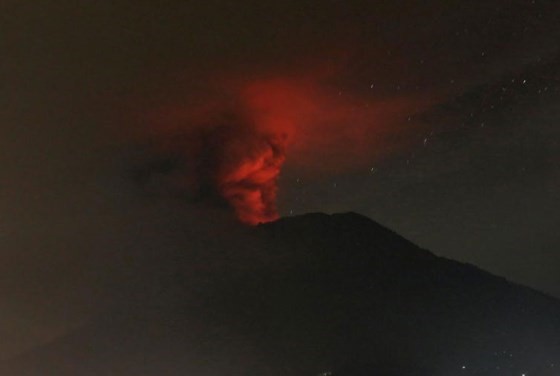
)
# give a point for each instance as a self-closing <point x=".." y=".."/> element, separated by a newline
<point x="233" y="142"/>
<point x="241" y="163"/>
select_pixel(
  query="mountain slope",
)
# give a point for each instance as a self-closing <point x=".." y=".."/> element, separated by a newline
<point x="315" y="294"/>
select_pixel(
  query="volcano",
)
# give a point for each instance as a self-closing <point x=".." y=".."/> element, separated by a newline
<point x="309" y="295"/>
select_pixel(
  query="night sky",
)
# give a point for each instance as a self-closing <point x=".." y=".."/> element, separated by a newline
<point x="137" y="124"/>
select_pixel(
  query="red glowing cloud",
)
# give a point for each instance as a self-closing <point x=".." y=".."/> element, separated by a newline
<point x="247" y="173"/>
<point x="234" y="147"/>
<point x="254" y="152"/>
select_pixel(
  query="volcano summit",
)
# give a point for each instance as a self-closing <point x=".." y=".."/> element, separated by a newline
<point x="312" y="295"/>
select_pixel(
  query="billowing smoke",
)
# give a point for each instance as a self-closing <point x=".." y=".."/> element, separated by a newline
<point x="231" y="149"/>
<point x="241" y="162"/>
<point x="233" y="141"/>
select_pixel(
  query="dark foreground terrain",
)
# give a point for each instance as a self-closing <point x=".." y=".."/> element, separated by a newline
<point x="310" y="295"/>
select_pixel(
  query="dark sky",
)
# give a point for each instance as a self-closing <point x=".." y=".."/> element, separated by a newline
<point x="438" y="119"/>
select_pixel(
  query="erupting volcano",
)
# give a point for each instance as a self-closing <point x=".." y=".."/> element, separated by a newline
<point x="245" y="163"/>
<point x="241" y="154"/>
<point x="234" y="139"/>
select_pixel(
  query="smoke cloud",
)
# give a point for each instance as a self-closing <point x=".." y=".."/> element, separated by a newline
<point x="233" y="141"/>
<point x="241" y="162"/>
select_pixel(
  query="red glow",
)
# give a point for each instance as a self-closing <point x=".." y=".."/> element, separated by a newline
<point x="248" y="177"/>
<point x="240" y="141"/>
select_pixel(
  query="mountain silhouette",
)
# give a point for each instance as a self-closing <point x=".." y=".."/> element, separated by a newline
<point x="310" y="295"/>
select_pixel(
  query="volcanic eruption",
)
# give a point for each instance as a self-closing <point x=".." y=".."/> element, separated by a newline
<point x="242" y="163"/>
<point x="241" y="152"/>
<point x="233" y="140"/>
